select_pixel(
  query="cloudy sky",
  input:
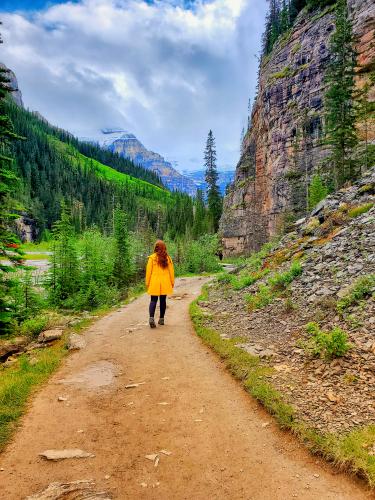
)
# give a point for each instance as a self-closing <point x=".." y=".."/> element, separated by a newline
<point x="166" y="70"/>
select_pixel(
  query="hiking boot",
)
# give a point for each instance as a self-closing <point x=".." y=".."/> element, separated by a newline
<point x="152" y="323"/>
<point x="161" y="321"/>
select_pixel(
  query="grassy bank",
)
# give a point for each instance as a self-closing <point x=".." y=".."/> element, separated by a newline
<point x="353" y="451"/>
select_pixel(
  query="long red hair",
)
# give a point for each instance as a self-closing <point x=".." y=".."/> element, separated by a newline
<point x="161" y="251"/>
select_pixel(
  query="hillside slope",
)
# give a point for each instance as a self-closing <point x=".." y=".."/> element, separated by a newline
<point x="292" y="305"/>
<point x="284" y="143"/>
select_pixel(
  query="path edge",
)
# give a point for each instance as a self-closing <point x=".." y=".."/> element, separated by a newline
<point x="252" y="374"/>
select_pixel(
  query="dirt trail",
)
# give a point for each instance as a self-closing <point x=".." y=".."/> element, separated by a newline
<point x="213" y="429"/>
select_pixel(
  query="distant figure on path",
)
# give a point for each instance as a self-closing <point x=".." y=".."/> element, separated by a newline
<point x="159" y="280"/>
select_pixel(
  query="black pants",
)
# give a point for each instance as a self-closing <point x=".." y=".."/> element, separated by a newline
<point x="163" y="305"/>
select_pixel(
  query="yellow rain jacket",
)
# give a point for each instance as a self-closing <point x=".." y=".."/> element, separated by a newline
<point x="159" y="280"/>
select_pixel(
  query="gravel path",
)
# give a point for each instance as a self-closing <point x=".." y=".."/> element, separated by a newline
<point x="217" y="442"/>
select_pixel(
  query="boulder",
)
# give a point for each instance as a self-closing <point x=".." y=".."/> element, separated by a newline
<point x="50" y="335"/>
<point x="75" y="342"/>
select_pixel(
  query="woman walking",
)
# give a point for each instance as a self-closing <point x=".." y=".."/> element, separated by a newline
<point x="159" y="280"/>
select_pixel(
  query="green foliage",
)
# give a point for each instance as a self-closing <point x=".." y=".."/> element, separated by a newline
<point x="201" y="224"/>
<point x="285" y="72"/>
<point x="280" y="19"/>
<point x="225" y="278"/>
<point x="326" y="344"/>
<point x="262" y="298"/>
<point x="34" y="326"/>
<point x="362" y="288"/>
<point x="340" y="130"/>
<point x="123" y="271"/>
<point x="198" y="256"/>
<point x="317" y="190"/>
<point x="359" y="210"/>
<point x="28" y="302"/>
<point x="280" y="281"/>
<point x="276" y="284"/>
<point x="64" y="271"/>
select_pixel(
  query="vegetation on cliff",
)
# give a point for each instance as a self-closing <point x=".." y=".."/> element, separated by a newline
<point x="281" y="16"/>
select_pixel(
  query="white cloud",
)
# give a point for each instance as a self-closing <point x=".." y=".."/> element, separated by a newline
<point x="165" y="72"/>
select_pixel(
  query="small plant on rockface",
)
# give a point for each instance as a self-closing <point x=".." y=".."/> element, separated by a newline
<point x="289" y="305"/>
<point x="349" y="378"/>
<point x="359" y="210"/>
<point x="363" y="288"/>
<point x="262" y="298"/>
<point x="327" y="345"/>
<point x="279" y="281"/>
<point x="353" y="321"/>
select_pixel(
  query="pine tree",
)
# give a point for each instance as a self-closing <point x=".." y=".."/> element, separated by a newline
<point x="64" y="275"/>
<point x="317" y="191"/>
<point x="340" y="115"/>
<point x="9" y="243"/>
<point x="213" y="193"/>
<point x="123" y="269"/>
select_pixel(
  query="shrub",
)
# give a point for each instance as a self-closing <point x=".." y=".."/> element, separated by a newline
<point x="359" y="210"/>
<point x="247" y="280"/>
<point x="276" y="283"/>
<point x="326" y="344"/>
<point x="262" y="298"/>
<point x="225" y="278"/>
<point x="362" y="288"/>
<point x="34" y="326"/>
<point x="289" y="305"/>
<point x="279" y="281"/>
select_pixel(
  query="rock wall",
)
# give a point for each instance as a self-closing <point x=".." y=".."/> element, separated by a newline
<point x="16" y="93"/>
<point x="283" y="145"/>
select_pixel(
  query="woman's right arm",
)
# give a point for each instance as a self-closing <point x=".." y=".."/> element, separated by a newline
<point x="171" y="271"/>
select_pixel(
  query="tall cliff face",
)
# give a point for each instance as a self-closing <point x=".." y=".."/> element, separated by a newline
<point x="284" y="145"/>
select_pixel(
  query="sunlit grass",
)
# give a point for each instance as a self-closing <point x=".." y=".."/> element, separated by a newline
<point x="18" y="381"/>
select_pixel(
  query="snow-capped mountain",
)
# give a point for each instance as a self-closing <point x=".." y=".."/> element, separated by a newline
<point x="126" y="144"/>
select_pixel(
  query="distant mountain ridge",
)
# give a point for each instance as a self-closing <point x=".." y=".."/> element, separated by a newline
<point x="126" y="144"/>
<point x="198" y="177"/>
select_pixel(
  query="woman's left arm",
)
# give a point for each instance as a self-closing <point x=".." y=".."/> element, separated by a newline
<point x="148" y="271"/>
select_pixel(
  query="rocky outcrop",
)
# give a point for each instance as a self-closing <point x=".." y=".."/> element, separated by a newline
<point x="127" y="145"/>
<point x="283" y="145"/>
<point x="13" y="83"/>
